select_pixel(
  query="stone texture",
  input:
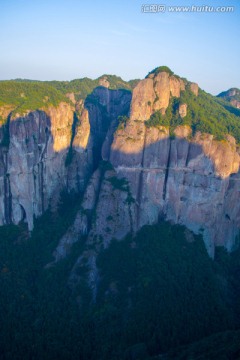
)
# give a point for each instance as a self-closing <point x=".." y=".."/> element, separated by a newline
<point x="194" y="88"/>
<point x="5" y="111"/>
<point x="235" y="103"/>
<point x="175" y="86"/>
<point x="162" y="91"/>
<point x="187" y="179"/>
<point x="33" y="164"/>
<point x="153" y="94"/>
<point x="82" y="134"/>
<point x="143" y="100"/>
<point x="187" y="182"/>
<point x="71" y="97"/>
<point x="53" y="150"/>
<point x="111" y="203"/>
<point x="182" y="110"/>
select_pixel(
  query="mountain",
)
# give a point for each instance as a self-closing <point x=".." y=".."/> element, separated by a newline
<point x="172" y="148"/>
<point x="232" y="96"/>
<point x="87" y="163"/>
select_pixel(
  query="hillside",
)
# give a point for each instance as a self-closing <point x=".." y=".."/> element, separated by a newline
<point x="205" y="113"/>
<point x="120" y="218"/>
<point x="149" y="286"/>
<point x="232" y="96"/>
<point x="24" y="96"/>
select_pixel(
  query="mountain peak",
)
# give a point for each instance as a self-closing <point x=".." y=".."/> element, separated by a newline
<point x="232" y="95"/>
<point x="159" y="69"/>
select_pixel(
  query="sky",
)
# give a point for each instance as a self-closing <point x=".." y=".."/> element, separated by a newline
<point x="69" y="39"/>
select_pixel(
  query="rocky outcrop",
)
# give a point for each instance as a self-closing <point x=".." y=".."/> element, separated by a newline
<point x="185" y="181"/>
<point x="81" y="225"/>
<point x="235" y="103"/>
<point x="33" y="162"/>
<point x="189" y="179"/>
<point x="153" y="94"/>
<point x="194" y="88"/>
<point x="43" y="152"/>
<point x="182" y="110"/>
<point x="71" y="97"/>
<point x="186" y="178"/>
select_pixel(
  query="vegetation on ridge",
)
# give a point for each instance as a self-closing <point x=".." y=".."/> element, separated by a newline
<point x="159" y="69"/>
<point x="228" y="95"/>
<point x="204" y="113"/>
<point x="84" y="87"/>
<point x="24" y="96"/>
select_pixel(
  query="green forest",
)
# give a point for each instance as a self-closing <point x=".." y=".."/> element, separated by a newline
<point x="25" y="96"/>
<point x="205" y="112"/>
<point x="158" y="293"/>
<point x="83" y="87"/>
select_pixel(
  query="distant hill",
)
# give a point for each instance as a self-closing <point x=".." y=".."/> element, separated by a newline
<point x="232" y="95"/>
<point x="84" y="86"/>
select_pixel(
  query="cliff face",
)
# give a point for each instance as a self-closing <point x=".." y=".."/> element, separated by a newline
<point x="189" y="179"/>
<point x="187" y="182"/>
<point x="33" y="162"/>
<point x="153" y="93"/>
<point x="45" y="152"/>
<point x="185" y="177"/>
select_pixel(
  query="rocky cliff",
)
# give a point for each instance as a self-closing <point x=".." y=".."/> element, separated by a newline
<point x="131" y="170"/>
<point x="46" y="151"/>
<point x="186" y="177"/>
<point x="33" y="159"/>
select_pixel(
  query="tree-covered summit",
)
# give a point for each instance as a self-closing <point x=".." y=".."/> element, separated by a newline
<point x="159" y="69"/>
<point x="22" y="96"/>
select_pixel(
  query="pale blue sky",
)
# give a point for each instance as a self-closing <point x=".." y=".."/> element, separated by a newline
<point x="69" y="39"/>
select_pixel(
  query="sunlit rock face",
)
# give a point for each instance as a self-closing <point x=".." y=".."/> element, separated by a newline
<point x="235" y="103"/>
<point x="45" y="152"/>
<point x="153" y="94"/>
<point x="187" y="179"/>
<point x="187" y="182"/>
<point x="33" y="163"/>
<point x="182" y="110"/>
<point x="194" y="88"/>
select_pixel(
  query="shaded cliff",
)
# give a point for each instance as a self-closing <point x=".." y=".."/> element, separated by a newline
<point x="45" y="151"/>
<point x="33" y="162"/>
<point x="162" y="165"/>
<point x="169" y="151"/>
